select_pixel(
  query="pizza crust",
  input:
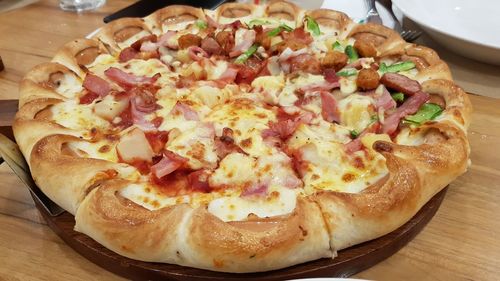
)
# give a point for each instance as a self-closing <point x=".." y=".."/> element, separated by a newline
<point x="171" y="16"/>
<point x="321" y="223"/>
<point x="179" y="235"/>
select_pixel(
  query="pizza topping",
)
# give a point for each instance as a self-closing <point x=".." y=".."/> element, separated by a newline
<point x="197" y="53"/>
<point x="198" y="180"/>
<point x="168" y="40"/>
<point x="428" y="111"/>
<point x="368" y="79"/>
<point x="88" y="98"/>
<point x="351" y="52"/>
<point x="410" y="106"/>
<point x="129" y="80"/>
<point x="244" y="40"/>
<point x="397" y="67"/>
<point x="365" y="48"/>
<point x="185" y="110"/>
<point x="229" y="75"/>
<point x="329" y="110"/>
<point x="210" y="45"/>
<point x="128" y="54"/>
<point x="357" y="144"/>
<point x="168" y="163"/>
<point x="96" y="84"/>
<point x="334" y="59"/>
<point x="110" y="107"/>
<point x="226" y="40"/>
<point x="384" y="99"/>
<point x="189" y="40"/>
<point x="298" y="37"/>
<point x="134" y="146"/>
<point x="401" y="83"/>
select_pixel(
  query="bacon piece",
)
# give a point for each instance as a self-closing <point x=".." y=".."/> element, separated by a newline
<point x="148" y="38"/>
<point x="329" y="110"/>
<point x="198" y="180"/>
<point x="247" y="41"/>
<point x="330" y="75"/>
<point x="298" y="35"/>
<point x="128" y="54"/>
<point x="401" y="83"/>
<point x="211" y="22"/>
<point x="259" y="189"/>
<point x="320" y="86"/>
<point x="229" y="75"/>
<point x="225" y="144"/>
<point x="157" y="140"/>
<point x="186" y="111"/>
<point x="129" y="80"/>
<point x="169" y="163"/>
<point x="248" y="71"/>
<point x="410" y="106"/>
<point x="143" y="100"/>
<point x="196" y="53"/>
<point x="385" y="100"/>
<point x="356" y="144"/>
<point x="88" y="98"/>
<point x="96" y="84"/>
<point x="139" y="117"/>
<point x="165" y="40"/>
<point x="211" y="46"/>
<point x="286" y="125"/>
<point x="306" y="63"/>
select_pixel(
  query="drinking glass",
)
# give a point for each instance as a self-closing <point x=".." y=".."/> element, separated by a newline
<point x="80" y="5"/>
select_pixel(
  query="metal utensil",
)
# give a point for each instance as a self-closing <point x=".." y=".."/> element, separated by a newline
<point x="373" y="16"/>
<point x="10" y="153"/>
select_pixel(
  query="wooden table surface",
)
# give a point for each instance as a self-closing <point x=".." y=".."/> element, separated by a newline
<point x="462" y="242"/>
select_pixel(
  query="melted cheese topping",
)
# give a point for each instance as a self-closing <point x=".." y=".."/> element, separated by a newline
<point x="76" y="116"/>
<point x="69" y="85"/>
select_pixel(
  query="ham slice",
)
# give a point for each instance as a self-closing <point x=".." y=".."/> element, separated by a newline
<point x="229" y="75"/>
<point x="128" y="80"/>
<point x="356" y="145"/>
<point x="165" y="40"/>
<point x="198" y="180"/>
<point x="400" y="83"/>
<point x="410" y="106"/>
<point x="186" y="111"/>
<point x="211" y="46"/>
<point x="385" y="100"/>
<point x="320" y="86"/>
<point x="286" y="125"/>
<point x="196" y="53"/>
<point x="96" y="84"/>
<point x="128" y="54"/>
<point x="259" y="189"/>
<point x="168" y="164"/>
<point x="298" y="35"/>
<point x="329" y="109"/>
<point x="248" y="38"/>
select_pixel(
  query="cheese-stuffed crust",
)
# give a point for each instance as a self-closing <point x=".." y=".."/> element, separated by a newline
<point x="179" y="235"/>
<point x="120" y="31"/>
<point x="425" y="160"/>
<point x="78" y="54"/>
<point x="164" y="19"/>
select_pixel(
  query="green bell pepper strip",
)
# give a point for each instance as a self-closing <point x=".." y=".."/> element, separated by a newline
<point x="428" y="111"/>
<point x="338" y="47"/>
<point x="347" y="72"/>
<point x="351" y="53"/>
<point x="399" y="97"/>
<point x="278" y="29"/>
<point x="354" y="134"/>
<point x="246" y="55"/>
<point x="201" y="24"/>
<point x="397" y="67"/>
<point x="255" y="22"/>
<point x="313" y="26"/>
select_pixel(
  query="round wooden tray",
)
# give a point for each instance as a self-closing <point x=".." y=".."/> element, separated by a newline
<point x="348" y="261"/>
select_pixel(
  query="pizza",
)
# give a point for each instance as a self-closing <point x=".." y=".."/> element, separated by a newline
<point x="248" y="138"/>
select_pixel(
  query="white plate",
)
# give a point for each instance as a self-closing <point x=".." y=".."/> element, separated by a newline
<point x="470" y="28"/>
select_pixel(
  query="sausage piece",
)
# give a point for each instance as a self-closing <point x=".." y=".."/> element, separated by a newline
<point x="225" y="40"/>
<point x="334" y="59"/>
<point x="368" y="79"/>
<point x="365" y="49"/>
<point x="188" y="40"/>
<point x="400" y="83"/>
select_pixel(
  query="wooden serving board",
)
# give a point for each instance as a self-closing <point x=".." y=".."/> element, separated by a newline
<point x="348" y="261"/>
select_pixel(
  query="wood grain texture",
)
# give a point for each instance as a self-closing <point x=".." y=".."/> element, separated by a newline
<point x="461" y="242"/>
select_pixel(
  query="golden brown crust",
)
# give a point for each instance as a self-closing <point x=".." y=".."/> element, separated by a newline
<point x="42" y="82"/>
<point x="78" y="54"/>
<point x="179" y="234"/>
<point x="229" y="12"/>
<point x="55" y="171"/>
<point x="331" y="19"/>
<point x="121" y="31"/>
<point x="165" y="19"/>
<point x="283" y="10"/>
<point x="385" y="40"/>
